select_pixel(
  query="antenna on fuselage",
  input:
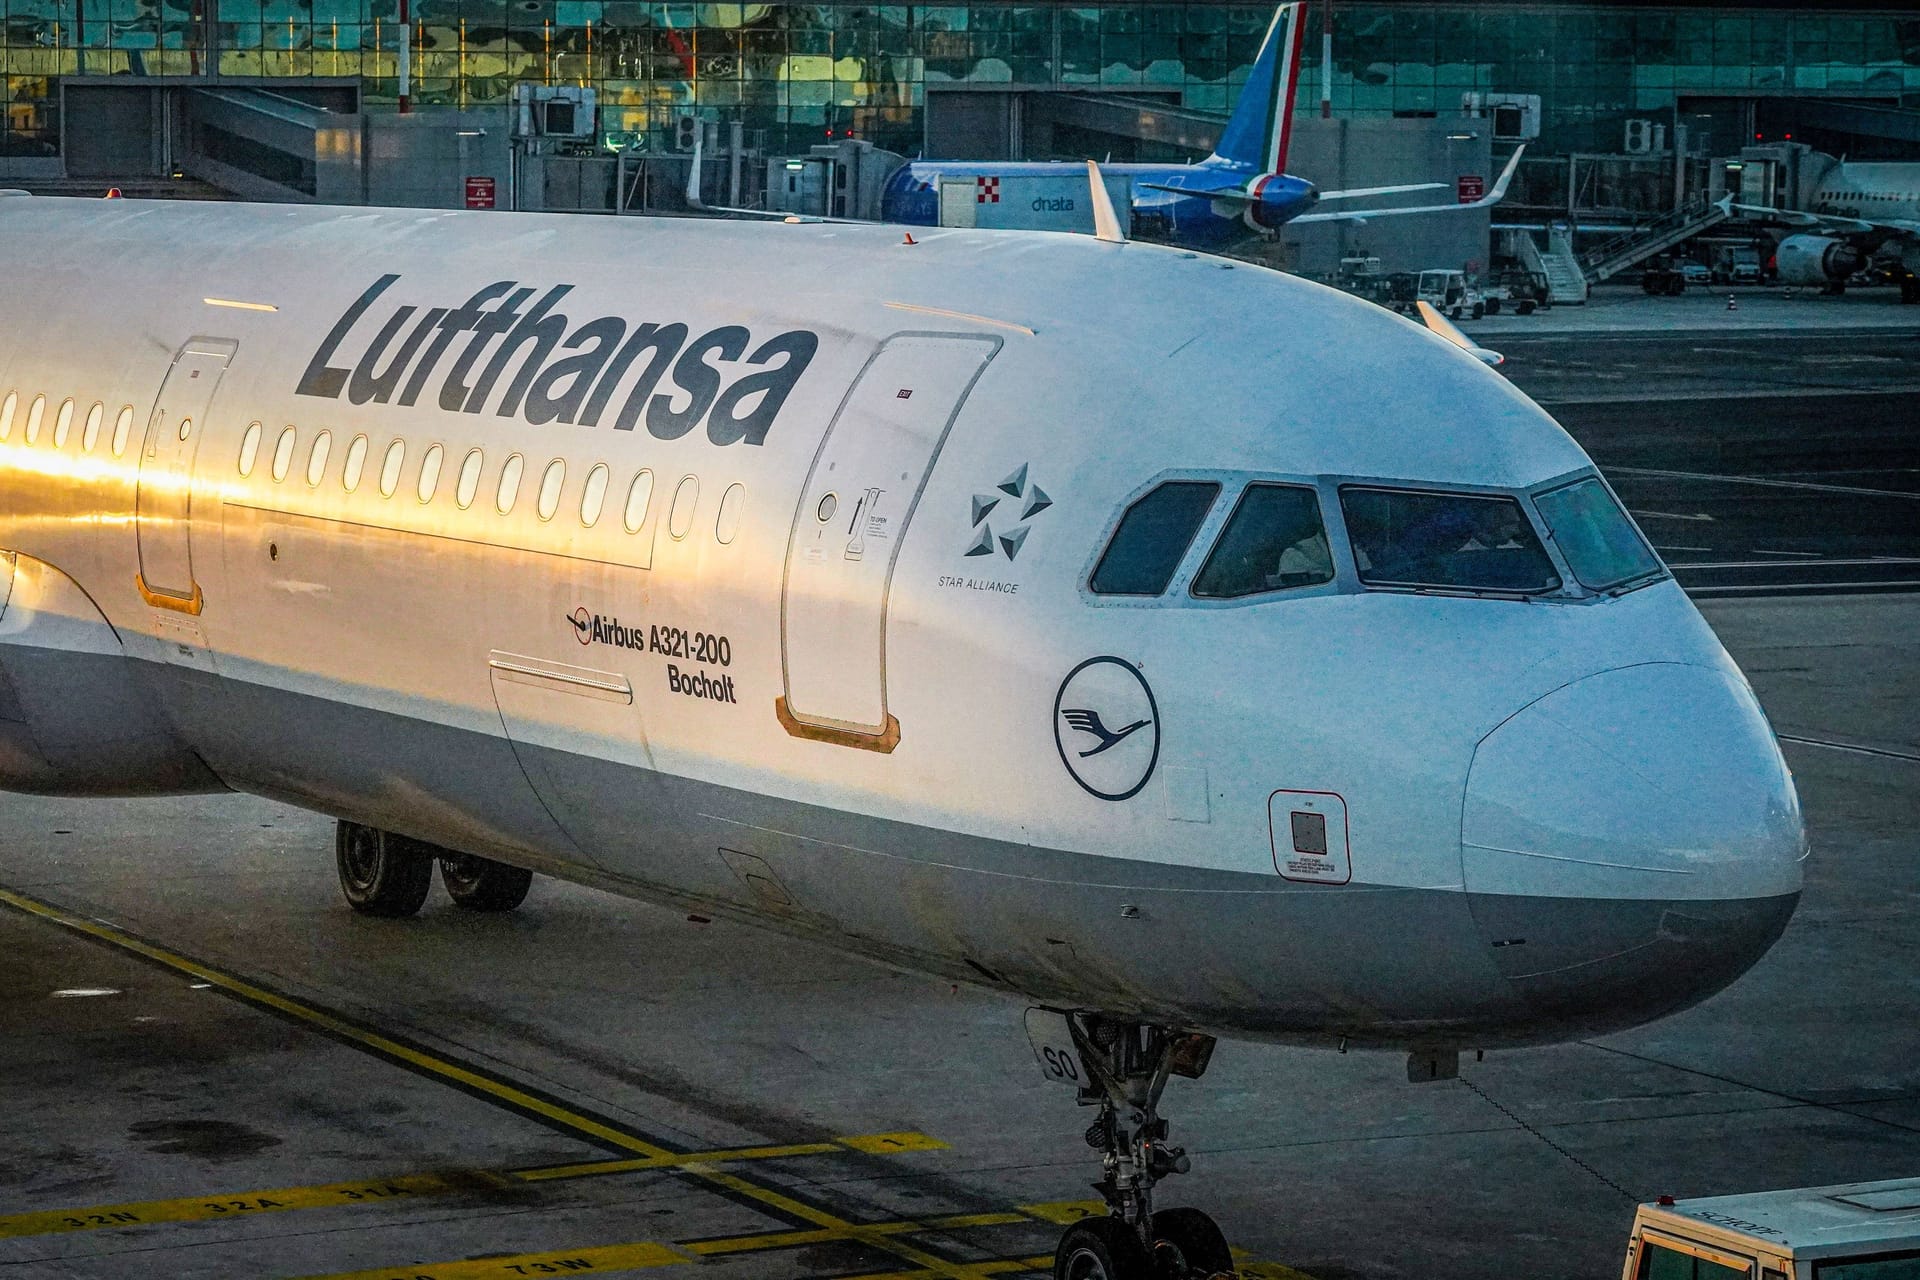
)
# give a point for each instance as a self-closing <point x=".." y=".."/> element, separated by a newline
<point x="1106" y="223"/>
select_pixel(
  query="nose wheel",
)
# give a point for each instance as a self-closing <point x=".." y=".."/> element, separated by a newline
<point x="1124" y="1068"/>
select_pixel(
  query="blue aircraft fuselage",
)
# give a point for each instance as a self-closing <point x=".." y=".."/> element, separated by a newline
<point x="912" y="195"/>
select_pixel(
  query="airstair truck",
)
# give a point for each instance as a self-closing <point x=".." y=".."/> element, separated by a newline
<point x="1856" y="1231"/>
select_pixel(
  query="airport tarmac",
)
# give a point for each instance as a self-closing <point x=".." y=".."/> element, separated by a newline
<point x="214" y="1069"/>
<point x="1623" y="307"/>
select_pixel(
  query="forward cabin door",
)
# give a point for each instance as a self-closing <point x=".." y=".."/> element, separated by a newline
<point x="164" y="506"/>
<point x="860" y="495"/>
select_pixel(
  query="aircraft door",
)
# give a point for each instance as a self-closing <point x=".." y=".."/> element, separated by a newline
<point x="861" y="493"/>
<point x="164" y="505"/>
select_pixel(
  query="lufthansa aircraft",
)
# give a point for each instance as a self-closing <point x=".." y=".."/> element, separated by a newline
<point x="1241" y="189"/>
<point x="1253" y="663"/>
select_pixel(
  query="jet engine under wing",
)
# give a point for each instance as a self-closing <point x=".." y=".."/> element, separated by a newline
<point x="1492" y="197"/>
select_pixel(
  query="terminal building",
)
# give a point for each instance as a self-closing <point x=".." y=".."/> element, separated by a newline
<point x="303" y="99"/>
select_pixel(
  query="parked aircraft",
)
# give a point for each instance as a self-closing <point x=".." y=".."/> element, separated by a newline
<point x="1861" y="214"/>
<point x="1253" y="663"/>
<point x="1242" y="188"/>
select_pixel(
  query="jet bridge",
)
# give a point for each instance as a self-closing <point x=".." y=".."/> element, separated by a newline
<point x="268" y="146"/>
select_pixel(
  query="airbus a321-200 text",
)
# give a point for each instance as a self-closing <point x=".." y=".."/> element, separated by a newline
<point x="1248" y="662"/>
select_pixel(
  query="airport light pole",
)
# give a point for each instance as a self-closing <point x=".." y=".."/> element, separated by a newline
<point x="1326" y="60"/>
<point x="406" y="58"/>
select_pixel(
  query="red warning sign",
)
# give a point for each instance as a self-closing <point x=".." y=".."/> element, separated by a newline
<point x="480" y="193"/>
<point x="1473" y="186"/>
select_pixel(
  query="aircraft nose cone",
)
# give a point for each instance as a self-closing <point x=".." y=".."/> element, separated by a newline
<point x="1631" y="843"/>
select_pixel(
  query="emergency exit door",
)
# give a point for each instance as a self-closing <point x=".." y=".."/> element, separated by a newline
<point x="164" y="505"/>
<point x="861" y="494"/>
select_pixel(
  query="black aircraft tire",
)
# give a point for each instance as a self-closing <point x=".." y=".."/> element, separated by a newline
<point x="1101" y="1249"/>
<point x="1188" y="1244"/>
<point x="480" y="884"/>
<point x="381" y="874"/>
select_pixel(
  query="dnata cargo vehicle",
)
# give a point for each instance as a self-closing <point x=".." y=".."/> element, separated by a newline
<point x="1856" y="1231"/>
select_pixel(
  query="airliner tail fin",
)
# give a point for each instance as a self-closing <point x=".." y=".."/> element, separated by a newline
<point x="1261" y="127"/>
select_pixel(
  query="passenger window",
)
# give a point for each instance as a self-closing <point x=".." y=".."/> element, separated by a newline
<point x="1152" y="539"/>
<point x="283" y="455"/>
<point x="639" y="497"/>
<point x="250" y="448"/>
<point x="550" y="483"/>
<point x="356" y="464"/>
<point x="1274" y="541"/>
<point x="122" y="428"/>
<point x="63" y="424"/>
<point x="317" y="460"/>
<point x="727" y="525"/>
<point x="90" y="434"/>
<point x="430" y="472"/>
<point x="463" y="493"/>
<point x="685" y="498"/>
<point x="390" y="467"/>
<point x="35" y="412"/>
<point x="509" y="484"/>
<point x="593" y="498"/>
<point x="1462" y="541"/>
<point x="7" y="408"/>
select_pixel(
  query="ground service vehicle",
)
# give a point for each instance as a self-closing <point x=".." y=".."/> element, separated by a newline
<point x="1523" y="290"/>
<point x="1855" y="1231"/>
<point x="1736" y="264"/>
<point x="1450" y="294"/>
<point x="1663" y="277"/>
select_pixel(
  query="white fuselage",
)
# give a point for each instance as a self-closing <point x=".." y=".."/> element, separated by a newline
<point x="803" y="677"/>
<point x="1881" y="191"/>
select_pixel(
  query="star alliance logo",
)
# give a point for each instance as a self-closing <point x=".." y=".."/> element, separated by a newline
<point x="1017" y="496"/>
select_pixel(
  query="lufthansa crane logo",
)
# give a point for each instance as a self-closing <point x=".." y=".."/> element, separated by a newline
<point x="1106" y="726"/>
<point x="582" y="625"/>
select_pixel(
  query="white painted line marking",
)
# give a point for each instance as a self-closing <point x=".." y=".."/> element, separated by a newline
<point x="1840" y="588"/>
<point x="1770" y="484"/>
<point x="1658" y="547"/>
<point x="1673" y="515"/>
<point x="1814" y="555"/>
<point x="1849" y="746"/>
<point x="1775" y="564"/>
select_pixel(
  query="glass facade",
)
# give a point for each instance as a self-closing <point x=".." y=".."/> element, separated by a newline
<point x="800" y="71"/>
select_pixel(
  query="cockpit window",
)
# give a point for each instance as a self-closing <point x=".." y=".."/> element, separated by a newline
<point x="1274" y="540"/>
<point x="1153" y="538"/>
<point x="1454" y="541"/>
<point x="1601" y="545"/>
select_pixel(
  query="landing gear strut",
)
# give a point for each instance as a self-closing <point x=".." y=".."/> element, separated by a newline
<point x="1127" y="1065"/>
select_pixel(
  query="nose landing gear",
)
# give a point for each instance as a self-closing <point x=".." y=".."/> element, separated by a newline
<point x="1126" y="1066"/>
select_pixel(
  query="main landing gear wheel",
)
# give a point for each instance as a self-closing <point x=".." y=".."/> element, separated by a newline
<point x="1186" y="1242"/>
<point x="480" y="884"/>
<point x="1128" y="1064"/>
<point x="381" y="874"/>
<point x="1101" y="1249"/>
